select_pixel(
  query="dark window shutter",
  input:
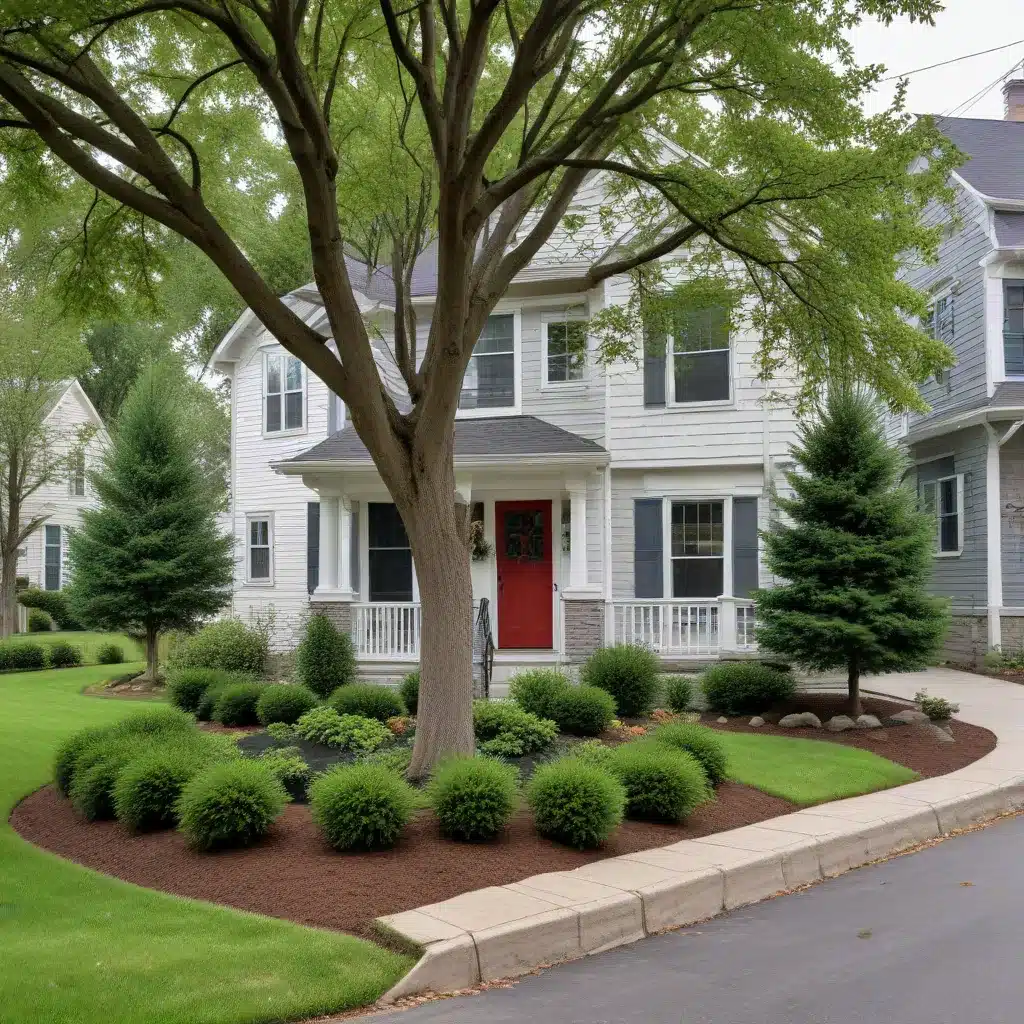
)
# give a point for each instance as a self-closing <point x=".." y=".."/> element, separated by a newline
<point x="744" y="546"/>
<point x="654" y="368"/>
<point x="312" y="545"/>
<point x="354" y="548"/>
<point x="648" y="562"/>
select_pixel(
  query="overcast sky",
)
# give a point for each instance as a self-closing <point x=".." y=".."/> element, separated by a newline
<point x="964" y="27"/>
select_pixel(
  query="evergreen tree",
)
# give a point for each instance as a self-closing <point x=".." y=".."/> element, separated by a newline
<point x="149" y="558"/>
<point x="857" y="554"/>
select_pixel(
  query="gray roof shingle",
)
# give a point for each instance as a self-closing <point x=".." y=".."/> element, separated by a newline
<point x="502" y="437"/>
<point x="1009" y="394"/>
<point x="1010" y="229"/>
<point x="996" y="151"/>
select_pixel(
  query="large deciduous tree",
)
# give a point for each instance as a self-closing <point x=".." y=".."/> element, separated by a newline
<point x="727" y="136"/>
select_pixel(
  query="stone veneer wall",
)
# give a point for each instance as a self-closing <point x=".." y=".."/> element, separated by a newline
<point x="967" y="638"/>
<point x="583" y="622"/>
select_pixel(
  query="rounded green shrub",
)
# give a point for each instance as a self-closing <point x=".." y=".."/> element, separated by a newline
<point x="326" y="658"/>
<point x="701" y="742"/>
<point x="154" y="721"/>
<point x="628" y="673"/>
<point x="186" y="686"/>
<point x="229" y="804"/>
<point x="284" y="702"/>
<point x="504" y="729"/>
<point x="65" y="655"/>
<point x="109" y="654"/>
<point x="96" y="770"/>
<point x="68" y="751"/>
<point x="473" y="797"/>
<point x="22" y="655"/>
<point x="236" y="704"/>
<point x="208" y="701"/>
<point x="575" y="803"/>
<point x="583" y="710"/>
<point x="661" y="784"/>
<point x="410" y="691"/>
<point x="229" y="645"/>
<point x="39" y="621"/>
<point x="678" y="693"/>
<point x="368" y="700"/>
<point x="592" y="752"/>
<point x="147" y="788"/>
<point x="536" y="691"/>
<point x="361" y="806"/>
<point x="745" y="687"/>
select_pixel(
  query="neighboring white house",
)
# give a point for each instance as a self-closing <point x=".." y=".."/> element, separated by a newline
<point x="621" y="504"/>
<point x="77" y="435"/>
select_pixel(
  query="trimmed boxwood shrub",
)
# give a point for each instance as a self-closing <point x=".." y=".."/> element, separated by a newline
<point x="230" y="804"/>
<point x="326" y="658"/>
<point x="95" y="774"/>
<point x="22" y="656"/>
<point x="583" y="710"/>
<point x="410" y="691"/>
<point x="65" y="655"/>
<point x="109" y="654"/>
<point x="504" y="729"/>
<point x="186" y="686"/>
<point x="361" y="806"/>
<point x="575" y="803"/>
<point x="661" y="784"/>
<point x="678" y="693"/>
<point x="68" y="751"/>
<point x="701" y="742"/>
<point x="628" y="673"/>
<point x="536" y="691"/>
<point x="39" y="621"/>
<point x="368" y="700"/>
<point x="236" y="704"/>
<point x="147" y="788"/>
<point x="53" y="602"/>
<point x="284" y="702"/>
<point x="229" y="645"/>
<point x="745" y="687"/>
<point x="473" y="797"/>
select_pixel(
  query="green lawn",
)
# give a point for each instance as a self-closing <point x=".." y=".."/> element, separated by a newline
<point x="79" y="946"/>
<point x="88" y="643"/>
<point x="808" y="771"/>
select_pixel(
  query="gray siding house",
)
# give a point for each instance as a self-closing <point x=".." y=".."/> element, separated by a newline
<point x="968" y="450"/>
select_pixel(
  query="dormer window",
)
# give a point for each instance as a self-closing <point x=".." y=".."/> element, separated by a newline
<point x="284" y="390"/>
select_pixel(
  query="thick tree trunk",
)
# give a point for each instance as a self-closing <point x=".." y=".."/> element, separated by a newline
<point x="152" y="644"/>
<point x="9" y="594"/>
<point x="444" y="720"/>
<point x="853" y="684"/>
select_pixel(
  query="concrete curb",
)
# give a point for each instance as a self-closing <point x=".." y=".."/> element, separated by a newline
<point x="504" y="931"/>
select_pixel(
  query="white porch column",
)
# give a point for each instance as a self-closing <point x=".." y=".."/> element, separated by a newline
<point x="577" y="534"/>
<point x="343" y="538"/>
<point x="328" y="543"/>
<point x="727" y="603"/>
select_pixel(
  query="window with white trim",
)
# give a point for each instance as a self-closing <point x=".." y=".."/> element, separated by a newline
<point x="565" y="351"/>
<point x="284" y="390"/>
<point x="52" y="557"/>
<point x="944" y="500"/>
<point x="941" y="326"/>
<point x="76" y="475"/>
<point x="700" y="356"/>
<point x="490" y="380"/>
<point x="697" y="550"/>
<point x="259" y="549"/>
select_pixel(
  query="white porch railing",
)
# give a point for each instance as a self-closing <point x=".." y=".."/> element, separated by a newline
<point x="388" y="632"/>
<point x="745" y="623"/>
<point x="684" y="628"/>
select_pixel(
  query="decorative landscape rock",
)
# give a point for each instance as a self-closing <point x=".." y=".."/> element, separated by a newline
<point x="840" y="723"/>
<point x="722" y="720"/>
<point x="868" y="722"/>
<point x="909" y="717"/>
<point x="806" y="719"/>
<point x="757" y="721"/>
<point x="935" y="730"/>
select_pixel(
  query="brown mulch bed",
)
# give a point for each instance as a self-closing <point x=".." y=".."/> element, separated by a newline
<point x="293" y="874"/>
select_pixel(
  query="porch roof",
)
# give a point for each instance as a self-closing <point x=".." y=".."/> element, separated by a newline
<point x="480" y="441"/>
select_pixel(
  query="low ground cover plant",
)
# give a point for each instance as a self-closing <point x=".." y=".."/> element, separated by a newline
<point x="473" y="797"/>
<point x="628" y="673"/>
<point x="287" y="765"/>
<point x="504" y="729"/>
<point x="346" y="732"/>
<point x="745" y="687"/>
<point x="575" y="803"/>
<point x="368" y="700"/>
<point x="361" y="806"/>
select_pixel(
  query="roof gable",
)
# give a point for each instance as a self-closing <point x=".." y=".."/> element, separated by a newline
<point x="996" y="151"/>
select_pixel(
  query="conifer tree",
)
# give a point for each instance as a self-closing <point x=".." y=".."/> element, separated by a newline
<point x="149" y="557"/>
<point x="855" y="556"/>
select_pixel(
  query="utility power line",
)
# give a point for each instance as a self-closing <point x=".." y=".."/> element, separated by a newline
<point x="962" y="108"/>
<point x="954" y="60"/>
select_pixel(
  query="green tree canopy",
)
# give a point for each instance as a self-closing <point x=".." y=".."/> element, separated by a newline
<point x="855" y="556"/>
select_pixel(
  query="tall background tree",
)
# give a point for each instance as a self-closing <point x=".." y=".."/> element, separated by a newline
<point x="854" y="558"/>
<point x="150" y="557"/>
<point x="729" y="139"/>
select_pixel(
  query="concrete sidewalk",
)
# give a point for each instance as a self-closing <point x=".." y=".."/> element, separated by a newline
<point x="503" y="931"/>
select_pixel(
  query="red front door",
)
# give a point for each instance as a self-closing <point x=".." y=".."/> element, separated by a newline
<point x="523" y="530"/>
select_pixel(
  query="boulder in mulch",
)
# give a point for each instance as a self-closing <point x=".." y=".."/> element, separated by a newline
<point x="909" y="717"/>
<point x="807" y="719"/>
<point x="867" y="722"/>
<point x="722" y="720"/>
<point x="935" y="730"/>
<point x="840" y="723"/>
<point x="757" y="721"/>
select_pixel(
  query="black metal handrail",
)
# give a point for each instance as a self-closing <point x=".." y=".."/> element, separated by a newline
<point x="483" y="649"/>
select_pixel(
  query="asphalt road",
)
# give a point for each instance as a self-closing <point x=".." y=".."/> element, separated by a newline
<point x="905" y="942"/>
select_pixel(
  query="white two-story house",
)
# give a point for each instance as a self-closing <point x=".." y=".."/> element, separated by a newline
<point x="617" y="504"/>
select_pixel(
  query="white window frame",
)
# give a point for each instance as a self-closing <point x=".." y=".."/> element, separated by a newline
<point x="546" y="320"/>
<point x="1005" y="283"/>
<point x="60" y="562"/>
<point x="280" y="353"/>
<point x="942" y="377"/>
<point x="670" y="377"/>
<point x="667" y="557"/>
<point x="933" y="506"/>
<point x="517" y="377"/>
<point x="259" y="517"/>
<point x="74" y="476"/>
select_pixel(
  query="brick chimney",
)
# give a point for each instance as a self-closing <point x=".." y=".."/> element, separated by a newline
<point x="1013" y="94"/>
